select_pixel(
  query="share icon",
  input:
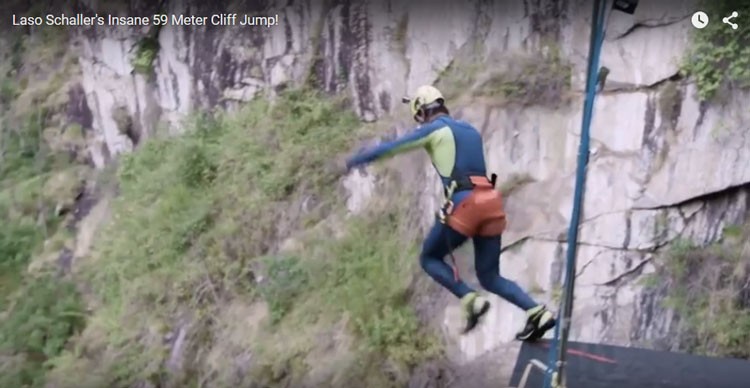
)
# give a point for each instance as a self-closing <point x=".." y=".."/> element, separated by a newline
<point x="727" y="19"/>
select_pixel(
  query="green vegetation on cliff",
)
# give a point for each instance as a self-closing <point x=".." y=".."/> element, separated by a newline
<point x="531" y="80"/>
<point x="42" y="318"/>
<point x="192" y="247"/>
<point x="709" y="290"/>
<point x="145" y="54"/>
<point x="188" y="277"/>
<point x="542" y="78"/>
<point x="40" y="309"/>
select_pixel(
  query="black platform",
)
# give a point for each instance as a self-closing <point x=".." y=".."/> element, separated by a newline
<point x="604" y="366"/>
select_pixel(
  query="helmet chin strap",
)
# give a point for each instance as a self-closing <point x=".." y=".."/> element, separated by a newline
<point x="420" y="115"/>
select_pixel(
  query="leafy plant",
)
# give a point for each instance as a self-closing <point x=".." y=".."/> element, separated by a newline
<point x="719" y="56"/>
<point x="287" y="280"/>
<point x="38" y="327"/>
<point x="528" y="80"/>
<point x="370" y="282"/>
<point x="709" y="291"/>
<point x="8" y="90"/>
<point x="146" y="51"/>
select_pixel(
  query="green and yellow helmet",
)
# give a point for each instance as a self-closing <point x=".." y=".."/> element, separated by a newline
<point x="425" y="97"/>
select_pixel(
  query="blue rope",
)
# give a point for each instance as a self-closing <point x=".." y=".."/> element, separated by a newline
<point x="597" y="39"/>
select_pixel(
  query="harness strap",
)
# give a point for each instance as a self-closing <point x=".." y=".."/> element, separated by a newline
<point x="456" y="276"/>
<point x="466" y="182"/>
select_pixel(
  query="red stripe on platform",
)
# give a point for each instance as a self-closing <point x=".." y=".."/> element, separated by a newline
<point x="588" y="355"/>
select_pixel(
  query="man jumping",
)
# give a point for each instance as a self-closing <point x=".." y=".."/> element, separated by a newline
<point x="473" y="209"/>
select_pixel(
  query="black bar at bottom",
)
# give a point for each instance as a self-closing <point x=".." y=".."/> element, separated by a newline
<point x="605" y="366"/>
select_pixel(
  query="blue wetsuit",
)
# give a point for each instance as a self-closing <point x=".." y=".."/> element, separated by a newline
<point x="455" y="147"/>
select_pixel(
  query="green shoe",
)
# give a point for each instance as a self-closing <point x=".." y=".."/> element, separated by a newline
<point x="474" y="307"/>
<point x="538" y="321"/>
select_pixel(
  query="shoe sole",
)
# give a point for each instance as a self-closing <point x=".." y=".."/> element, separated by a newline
<point x="539" y="332"/>
<point x="474" y="321"/>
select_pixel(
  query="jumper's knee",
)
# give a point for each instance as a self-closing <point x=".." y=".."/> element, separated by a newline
<point x="430" y="263"/>
<point x="426" y="258"/>
<point x="423" y="260"/>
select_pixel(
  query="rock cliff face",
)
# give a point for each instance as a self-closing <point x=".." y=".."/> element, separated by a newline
<point x="662" y="165"/>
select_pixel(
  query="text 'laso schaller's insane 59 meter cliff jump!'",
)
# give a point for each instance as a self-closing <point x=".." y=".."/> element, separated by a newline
<point x="222" y="19"/>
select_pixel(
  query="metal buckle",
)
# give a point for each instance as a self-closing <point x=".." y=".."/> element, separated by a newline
<point x="445" y="210"/>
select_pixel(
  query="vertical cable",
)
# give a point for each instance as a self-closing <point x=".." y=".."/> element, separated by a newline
<point x="559" y="344"/>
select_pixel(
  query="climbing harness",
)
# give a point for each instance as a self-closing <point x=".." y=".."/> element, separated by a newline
<point x="554" y="370"/>
<point x="463" y="182"/>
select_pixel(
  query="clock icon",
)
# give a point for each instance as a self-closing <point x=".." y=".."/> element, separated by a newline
<point x="700" y="20"/>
